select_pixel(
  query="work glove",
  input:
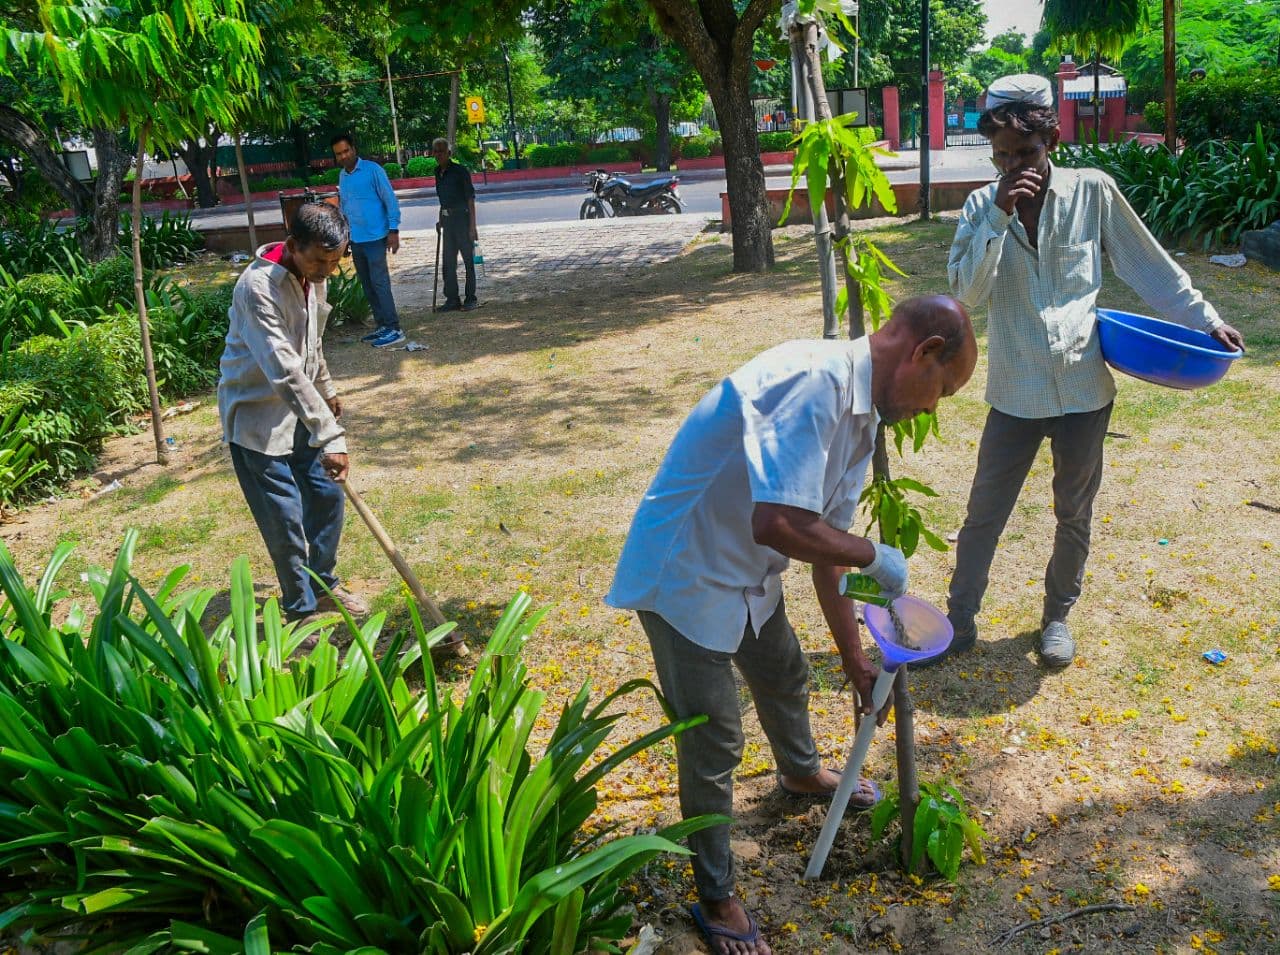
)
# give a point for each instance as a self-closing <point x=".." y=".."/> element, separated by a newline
<point x="889" y="569"/>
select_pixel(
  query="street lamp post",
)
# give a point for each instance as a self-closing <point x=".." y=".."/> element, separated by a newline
<point x="924" y="110"/>
<point x="511" y="106"/>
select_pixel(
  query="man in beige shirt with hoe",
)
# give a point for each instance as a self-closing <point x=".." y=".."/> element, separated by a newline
<point x="1030" y="247"/>
<point x="280" y="409"/>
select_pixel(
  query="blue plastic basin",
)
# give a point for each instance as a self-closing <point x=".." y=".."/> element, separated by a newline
<point x="1162" y="352"/>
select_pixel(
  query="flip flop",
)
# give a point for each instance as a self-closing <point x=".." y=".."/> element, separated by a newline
<point x="712" y="932"/>
<point x="854" y="805"/>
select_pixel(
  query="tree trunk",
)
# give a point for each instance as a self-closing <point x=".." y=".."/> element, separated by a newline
<point x="1097" y="100"/>
<point x="199" y="158"/>
<point x="905" y="750"/>
<point x="301" y="150"/>
<point x="248" y="197"/>
<point x="661" y="103"/>
<point x="140" y="297"/>
<point x="27" y="138"/>
<point x="718" y="41"/>
<point x="744" y="181"/>
<point x="452" y="130"/>
<point x="100" y="231"/>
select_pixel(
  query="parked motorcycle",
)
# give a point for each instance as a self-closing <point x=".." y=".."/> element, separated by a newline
<point x="612" y="195"/>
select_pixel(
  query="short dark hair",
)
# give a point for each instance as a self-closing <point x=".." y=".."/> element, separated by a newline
<point x="342" y="138"/>
<point x="1025" y="119"/>
<point x="318" y="223"/>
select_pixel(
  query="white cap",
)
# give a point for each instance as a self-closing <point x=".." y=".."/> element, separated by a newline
<point x="1020" y="88"/>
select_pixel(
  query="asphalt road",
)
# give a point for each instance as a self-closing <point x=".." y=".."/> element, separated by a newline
<point x="699" y="197"/>
<point x="551" y="205"/>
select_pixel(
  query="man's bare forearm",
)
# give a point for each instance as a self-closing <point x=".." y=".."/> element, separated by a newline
<point x="803" y="535"/>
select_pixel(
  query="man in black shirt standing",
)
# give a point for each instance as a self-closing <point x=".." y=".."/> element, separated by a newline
<point x="457" y="226"/>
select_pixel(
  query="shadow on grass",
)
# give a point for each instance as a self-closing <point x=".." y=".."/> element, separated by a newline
<point x="989" y="679"/>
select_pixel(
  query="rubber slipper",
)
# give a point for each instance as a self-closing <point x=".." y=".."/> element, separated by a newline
<point x="854" y="805"/>
<point x="711" y="932"/>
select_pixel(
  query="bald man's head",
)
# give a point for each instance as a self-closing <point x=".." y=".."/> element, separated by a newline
<point x="925" y="352"/>
<point x="940" y="315"/>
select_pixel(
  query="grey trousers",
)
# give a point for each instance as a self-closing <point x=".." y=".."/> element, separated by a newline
<point x="696" y="680"/>
<point x="1008" y="448"/>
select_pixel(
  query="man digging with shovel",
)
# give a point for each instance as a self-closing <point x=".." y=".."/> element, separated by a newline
<point x="769" y="466"/>
<point x="280" y="410"/>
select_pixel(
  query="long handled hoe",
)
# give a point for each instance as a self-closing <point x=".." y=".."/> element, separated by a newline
<point x="454" y="641"/>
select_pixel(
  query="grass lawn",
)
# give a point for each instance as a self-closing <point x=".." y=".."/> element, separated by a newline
<point x="513" y="452"/>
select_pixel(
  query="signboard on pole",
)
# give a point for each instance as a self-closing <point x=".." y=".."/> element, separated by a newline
<point x="475" y="110"/>
<point x="850" y="101"/>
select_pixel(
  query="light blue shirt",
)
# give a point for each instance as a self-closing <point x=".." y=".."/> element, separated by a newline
<point x="794" y="426"/>
<point x="368" y="201"/>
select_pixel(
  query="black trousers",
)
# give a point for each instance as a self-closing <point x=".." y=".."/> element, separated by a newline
<point x="455" y="234"/>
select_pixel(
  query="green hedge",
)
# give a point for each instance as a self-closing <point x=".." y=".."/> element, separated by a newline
<point x="420" y="166"/>
<point x="544" y="155"/>
<point x="76" y="391"/>
<point x="694" y="149"/>
<point x="612" y="153"/>
<point x="775" y="142"/>
<point x="84" y="381"/>
<point x="277" y="183"/>
<point x="1228" y="107"/>
<point x="393" y="170"/>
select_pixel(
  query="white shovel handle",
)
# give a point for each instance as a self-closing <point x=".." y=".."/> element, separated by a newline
<point x="850" y="777"/>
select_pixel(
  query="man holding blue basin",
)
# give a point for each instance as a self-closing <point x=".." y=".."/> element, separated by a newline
<point x="1029" y="246"/>
<point x="767" y="468"/>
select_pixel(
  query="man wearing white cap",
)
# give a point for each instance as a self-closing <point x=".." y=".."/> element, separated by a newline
<point x="1029" y="245"/>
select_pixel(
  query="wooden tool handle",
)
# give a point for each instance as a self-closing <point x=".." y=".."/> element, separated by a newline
<point x="401" y="565"/>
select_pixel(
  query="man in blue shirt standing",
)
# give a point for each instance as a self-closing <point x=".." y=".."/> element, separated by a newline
<point x="370" y="205"/>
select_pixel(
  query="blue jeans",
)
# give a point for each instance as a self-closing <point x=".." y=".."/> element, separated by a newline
<point x="298" y="509"/>
<point x="371" y="268"/>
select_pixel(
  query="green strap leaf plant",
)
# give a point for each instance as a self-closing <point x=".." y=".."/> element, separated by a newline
<point x="167" y="788"/>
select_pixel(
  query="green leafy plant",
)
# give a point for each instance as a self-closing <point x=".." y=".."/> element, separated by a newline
<point x="420" y="166"/>
<point x="1210" y="193"/>
<point x="1229" y="107"/>
<point x="29" y="243"/>
<point x="166" y="241"/>
<point x="899" y="522"/>
<point x="545" y="155"/>
<point x="694" y="149"/>
<point x="173" y="789"/>
<point x="942" y="827"/>
<point x="347" y="299"/>
<point x="17" y="464"/>
<point x="393" y="170"/>
<point x="605" y="154"/>
<point x="775" y="142"/>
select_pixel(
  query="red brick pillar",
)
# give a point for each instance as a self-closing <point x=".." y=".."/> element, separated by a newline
<point x="1066" y="107"/>
<point x="892" y="118"/>
<point x="937" y="111"/>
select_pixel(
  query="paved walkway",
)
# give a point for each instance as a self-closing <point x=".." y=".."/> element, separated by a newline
<point x="521" y="261"/>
